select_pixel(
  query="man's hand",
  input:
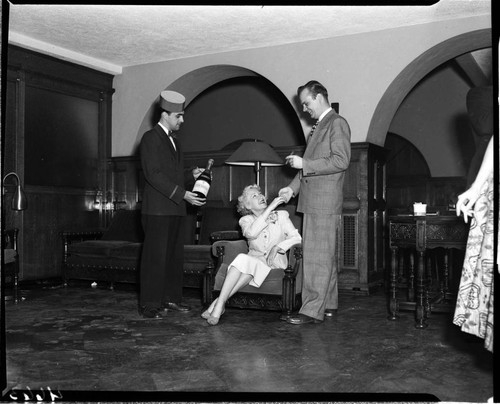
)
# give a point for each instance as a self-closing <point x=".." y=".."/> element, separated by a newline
<point x="286" y="193"/>
<point x="294" y="161"/>
<point x="194" y="199"/>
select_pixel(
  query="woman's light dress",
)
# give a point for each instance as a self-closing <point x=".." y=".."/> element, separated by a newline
<point x="279" y="230"/>
<point x="474" y="309"/>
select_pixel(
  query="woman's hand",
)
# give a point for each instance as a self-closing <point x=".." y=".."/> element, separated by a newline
<point x="276" y="202"/>
<point x="466" y="202"/>
<point x="272" y="254"/>
<point x="286" y="193"/>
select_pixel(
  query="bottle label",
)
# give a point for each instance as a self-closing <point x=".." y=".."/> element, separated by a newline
<point x="202" y="187"/>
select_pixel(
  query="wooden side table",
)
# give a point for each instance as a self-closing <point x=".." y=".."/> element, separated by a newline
<point x="419" y="234"/>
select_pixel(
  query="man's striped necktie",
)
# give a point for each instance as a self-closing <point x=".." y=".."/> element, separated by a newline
<point x="313" y="128"/>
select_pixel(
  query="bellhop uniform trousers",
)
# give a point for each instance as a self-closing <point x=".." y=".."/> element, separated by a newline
<point x="161" y="272"/>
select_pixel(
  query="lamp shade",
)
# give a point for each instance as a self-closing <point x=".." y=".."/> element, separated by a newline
<point x="19" y="200"/>
<point x="250" y="153"/>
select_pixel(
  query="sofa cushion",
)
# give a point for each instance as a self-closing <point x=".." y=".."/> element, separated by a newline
<point x="95" y="248"/>
<point x="198" y="252"/>
<point x="197" y="257"/>
<point x="125" y="226"/>
<point x="126" y="251"/>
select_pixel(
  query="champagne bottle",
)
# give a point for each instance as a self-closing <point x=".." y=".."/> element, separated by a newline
<point x="203" y="182"/>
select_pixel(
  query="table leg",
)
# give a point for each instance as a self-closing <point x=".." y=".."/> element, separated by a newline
<point x="393" y="301"/>
<point x="428" y="285"/>
<point x="446" y="269"/>
<point x="430" y="269"/>
<point x="401" y="269"/>
<point x="420" y="312"/>
<point x="411" y="278"/>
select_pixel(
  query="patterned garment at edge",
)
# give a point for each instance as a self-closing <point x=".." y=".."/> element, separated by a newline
<point x="474" y="309"/>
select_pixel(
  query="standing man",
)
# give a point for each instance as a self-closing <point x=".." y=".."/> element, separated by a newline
<point x="319" y="184"/>
<point x="163" y="210"/>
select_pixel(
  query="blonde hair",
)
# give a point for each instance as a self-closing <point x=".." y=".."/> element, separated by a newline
<point x="241" y="208"/>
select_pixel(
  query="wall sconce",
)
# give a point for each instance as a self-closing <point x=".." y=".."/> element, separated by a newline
<point x="258" y="154"/>
<point x="97" y="199"/>
<point x="19" y="200"/>
<point x="108" y="204"/>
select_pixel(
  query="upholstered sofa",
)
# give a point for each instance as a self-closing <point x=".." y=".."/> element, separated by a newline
<point x="113" y="255"/>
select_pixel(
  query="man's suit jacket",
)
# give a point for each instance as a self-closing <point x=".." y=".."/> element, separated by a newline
<point x="319" y="184"/>
<point x="164" y="173"/>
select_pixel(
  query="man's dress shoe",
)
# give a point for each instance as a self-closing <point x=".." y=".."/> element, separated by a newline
<point x="148" y="312"/>
<point x="330" y="312"/>
<point x="302" y="319"/>
<point x="176" y="307"/>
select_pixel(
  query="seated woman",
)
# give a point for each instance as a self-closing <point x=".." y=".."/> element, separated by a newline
<point x="269" y="234"/>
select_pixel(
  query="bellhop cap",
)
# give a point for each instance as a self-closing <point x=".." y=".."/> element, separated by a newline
<point x="172" y="101"/>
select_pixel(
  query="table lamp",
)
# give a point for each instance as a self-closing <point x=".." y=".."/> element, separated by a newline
<point x="258" y="154"/>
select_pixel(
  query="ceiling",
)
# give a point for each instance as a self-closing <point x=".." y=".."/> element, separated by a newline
<point x="110" y="37"/>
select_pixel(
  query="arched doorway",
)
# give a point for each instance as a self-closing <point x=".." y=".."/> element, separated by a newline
<point x="416" y="71"/>
<point x="230" y="103"/>
<point x="441" y="190"/>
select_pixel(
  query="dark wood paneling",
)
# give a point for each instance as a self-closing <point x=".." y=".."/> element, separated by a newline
<point x="437" y="192"/>
<point x="59" y="188"/>
<point x="52" y="210"/>
<point x="409" y="179"/>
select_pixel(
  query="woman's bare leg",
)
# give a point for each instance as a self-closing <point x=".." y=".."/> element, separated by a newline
<point x="234" y="281"/>
<point x="206" y="314"/>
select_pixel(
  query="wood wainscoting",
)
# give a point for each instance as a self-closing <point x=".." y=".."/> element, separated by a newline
<point x="58" y="141"/>
<point x="362" y="241"/>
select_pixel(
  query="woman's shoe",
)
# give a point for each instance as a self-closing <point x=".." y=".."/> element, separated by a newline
<point x="213" y="320"/>
<point x="207" y="314"/>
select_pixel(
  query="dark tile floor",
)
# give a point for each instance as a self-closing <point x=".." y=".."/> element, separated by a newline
<point x="93" y="340"/>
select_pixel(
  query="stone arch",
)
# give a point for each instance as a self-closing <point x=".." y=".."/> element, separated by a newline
<point x="416" y="71"/>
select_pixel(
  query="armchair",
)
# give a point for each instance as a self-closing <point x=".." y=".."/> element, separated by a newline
<point x="281" y="291"/>
<point x="11" y="261"/>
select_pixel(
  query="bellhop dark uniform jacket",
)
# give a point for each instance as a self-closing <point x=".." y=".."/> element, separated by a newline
<point x="166" y="179"/>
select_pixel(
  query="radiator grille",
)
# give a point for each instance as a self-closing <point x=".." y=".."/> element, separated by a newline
<point x="349" y="241"/>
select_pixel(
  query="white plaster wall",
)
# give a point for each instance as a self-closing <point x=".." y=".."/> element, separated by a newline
<point x="356" y="69"/>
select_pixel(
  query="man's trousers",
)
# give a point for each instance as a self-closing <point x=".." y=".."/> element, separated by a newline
<point x="162" y="260"/>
